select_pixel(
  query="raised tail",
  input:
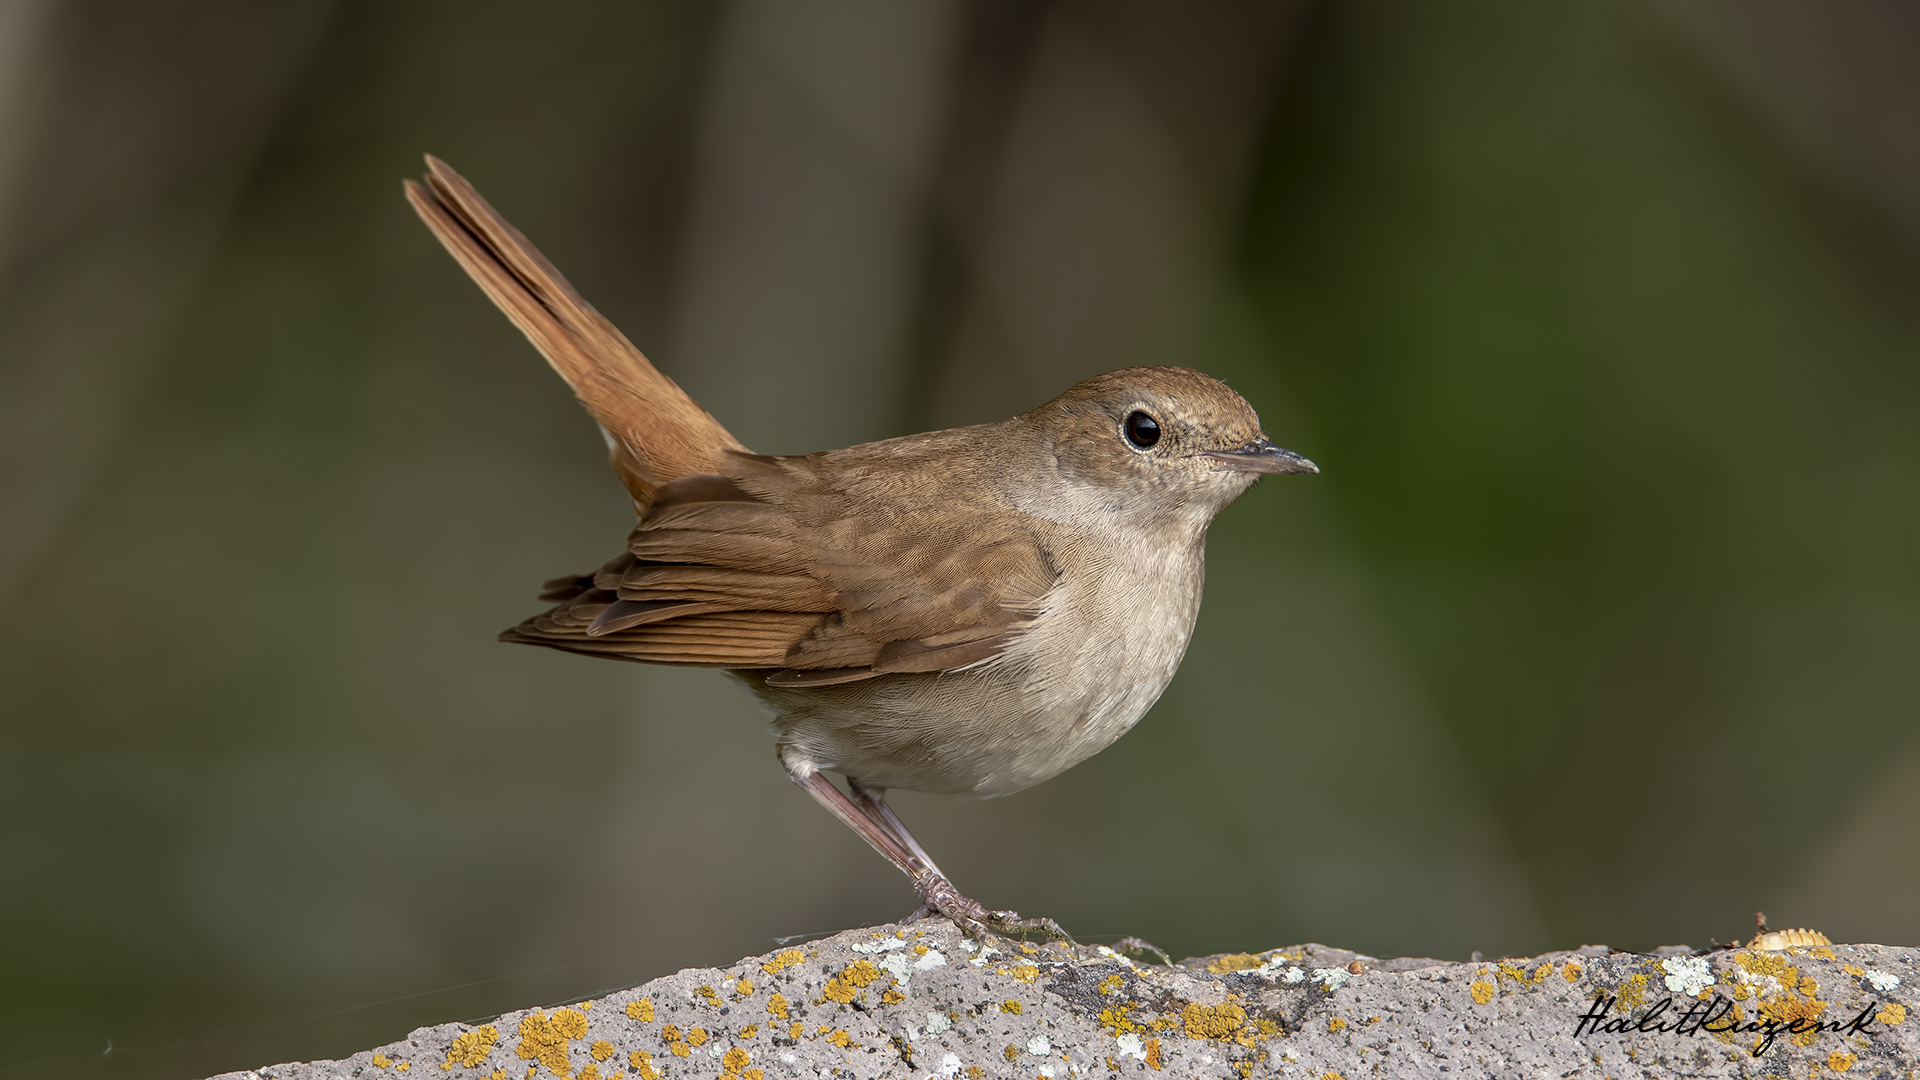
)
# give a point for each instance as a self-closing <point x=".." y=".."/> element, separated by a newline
<point x="655" y="432"/>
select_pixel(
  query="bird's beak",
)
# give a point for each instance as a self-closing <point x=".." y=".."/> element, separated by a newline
<point x="1261" y="456"/>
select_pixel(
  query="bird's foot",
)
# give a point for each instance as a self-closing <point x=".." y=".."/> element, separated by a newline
<point x="1038" y="928"/>
<point x="939" y="897"/>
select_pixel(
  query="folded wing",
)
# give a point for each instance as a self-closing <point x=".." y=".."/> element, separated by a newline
<point x="762" y="570"/>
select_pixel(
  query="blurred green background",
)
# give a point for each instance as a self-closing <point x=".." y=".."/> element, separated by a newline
<point x="1602" y="624"/>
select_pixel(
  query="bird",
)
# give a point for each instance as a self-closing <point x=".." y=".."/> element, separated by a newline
<point x="965" y="612"/>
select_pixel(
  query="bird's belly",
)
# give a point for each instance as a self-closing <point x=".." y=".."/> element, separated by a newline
<point x="1065" y="691"/>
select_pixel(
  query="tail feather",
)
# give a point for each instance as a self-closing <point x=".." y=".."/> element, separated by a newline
<point x="655" y="432"/>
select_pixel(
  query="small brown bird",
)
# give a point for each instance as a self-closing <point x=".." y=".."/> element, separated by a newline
<point x="966" y="612"/>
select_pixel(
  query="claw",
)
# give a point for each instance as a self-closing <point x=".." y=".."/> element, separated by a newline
<point x="1134" y="948"/>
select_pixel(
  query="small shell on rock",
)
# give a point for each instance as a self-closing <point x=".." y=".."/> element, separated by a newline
<point x="1776" y="940"/>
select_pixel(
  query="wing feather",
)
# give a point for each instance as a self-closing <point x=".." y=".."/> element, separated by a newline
<point x="765" y="574"/>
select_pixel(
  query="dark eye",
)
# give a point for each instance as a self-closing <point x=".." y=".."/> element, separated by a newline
<point x="1141" y="430"/>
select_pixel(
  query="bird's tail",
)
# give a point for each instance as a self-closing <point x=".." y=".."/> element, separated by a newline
<point x="655" y="432"/>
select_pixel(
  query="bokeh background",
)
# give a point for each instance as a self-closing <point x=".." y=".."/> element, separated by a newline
<point x="1602" y="624"/>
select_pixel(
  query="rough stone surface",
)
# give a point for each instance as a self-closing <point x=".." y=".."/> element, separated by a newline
<point x="921" y="1000"/>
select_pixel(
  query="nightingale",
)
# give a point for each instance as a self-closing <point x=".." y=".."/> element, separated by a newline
<point x="966" y="612"/>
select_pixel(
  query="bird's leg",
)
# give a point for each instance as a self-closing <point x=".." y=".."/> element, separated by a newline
<point x="873" y="802"/>
<point x="935" y="890"/>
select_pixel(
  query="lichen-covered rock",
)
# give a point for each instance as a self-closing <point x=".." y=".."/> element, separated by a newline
<point x="922" y="1001"/>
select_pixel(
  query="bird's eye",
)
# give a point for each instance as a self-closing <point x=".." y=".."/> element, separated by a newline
<point x="1142" y="431"/>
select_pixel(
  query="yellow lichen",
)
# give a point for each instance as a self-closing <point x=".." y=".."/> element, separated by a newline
<point x="1112" y="984"/>
<point x="1028" y="949"/>
<point x="844" y="986"/>
<point x="708" y="992"/>
<point x="1011" y="1053"/>
<point x="1013" y="1007"/>
<point x="1840" y="1061"/>
<point x="1823" y="953"/>
<point x="1774" y="967"/>
<point x="732" y="1062"/>
<point x="403" y="1066"/>
<point x="1026" y="973"/>
<point x="544" y="1038"/>
<point x="1117" y="1021"/>
<point x="1786" y="1011"/>
<point x="642" y="1064"/>
<point x="975" y="1072"/>
<point x="743" y="988"/>
<point x="470" y="1048"/>
<point x="601" y="1049"/>
<point x="1335" y="1024"/>
<point x="777" y="1005"/>
<point x="750" y="1031"/>
<point x="783" y="961"/>
<point x="382" y="1061"/>
<point x="1633" y="993"/>
<point x="1854" y="970"/>
<point x="1894" y="1014"/>
<point x="589" y="1071"/>
<point x="1212" y="1021"/>
<point x="921" y="950"/>
<point x="1482" y="991"/>
<point x="641" y="1010"/>
<point x="841" y="1039"/>
<point x="671" y="1033"/>
<point x="892" y="997"/>
<point x="696" y="1036"/>
<point x="1153" y="1054"/>
<point x="1220" y="965"/>
<point x="1570" y="970"/>
<point x="678" y="1049"/>
<point x="793" y="1031"/>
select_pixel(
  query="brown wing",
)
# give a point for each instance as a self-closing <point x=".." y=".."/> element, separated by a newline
<point x="794" y="579"/>
<point x="655" y="432"/>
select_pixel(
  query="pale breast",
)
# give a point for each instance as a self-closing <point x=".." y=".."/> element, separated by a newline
<point x="1104" y="647"/>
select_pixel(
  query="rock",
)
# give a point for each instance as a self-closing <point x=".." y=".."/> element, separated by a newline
<point x="921" y="1000"/>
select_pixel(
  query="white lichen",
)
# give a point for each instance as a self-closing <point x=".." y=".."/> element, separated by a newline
<point x="883" y="945"/>
<point x="1882" y="981"/>
<point x="1131" y="1046"/>
<point x="900" y="966"/>
<point x="1039" y="1046"/>
<point x="1331" y="978"/>
<point x="1687" y="974"/>
<point x="937" y="1023"/>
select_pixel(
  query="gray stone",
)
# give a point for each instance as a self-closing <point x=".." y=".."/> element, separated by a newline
<point x="921" y="1000"/>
